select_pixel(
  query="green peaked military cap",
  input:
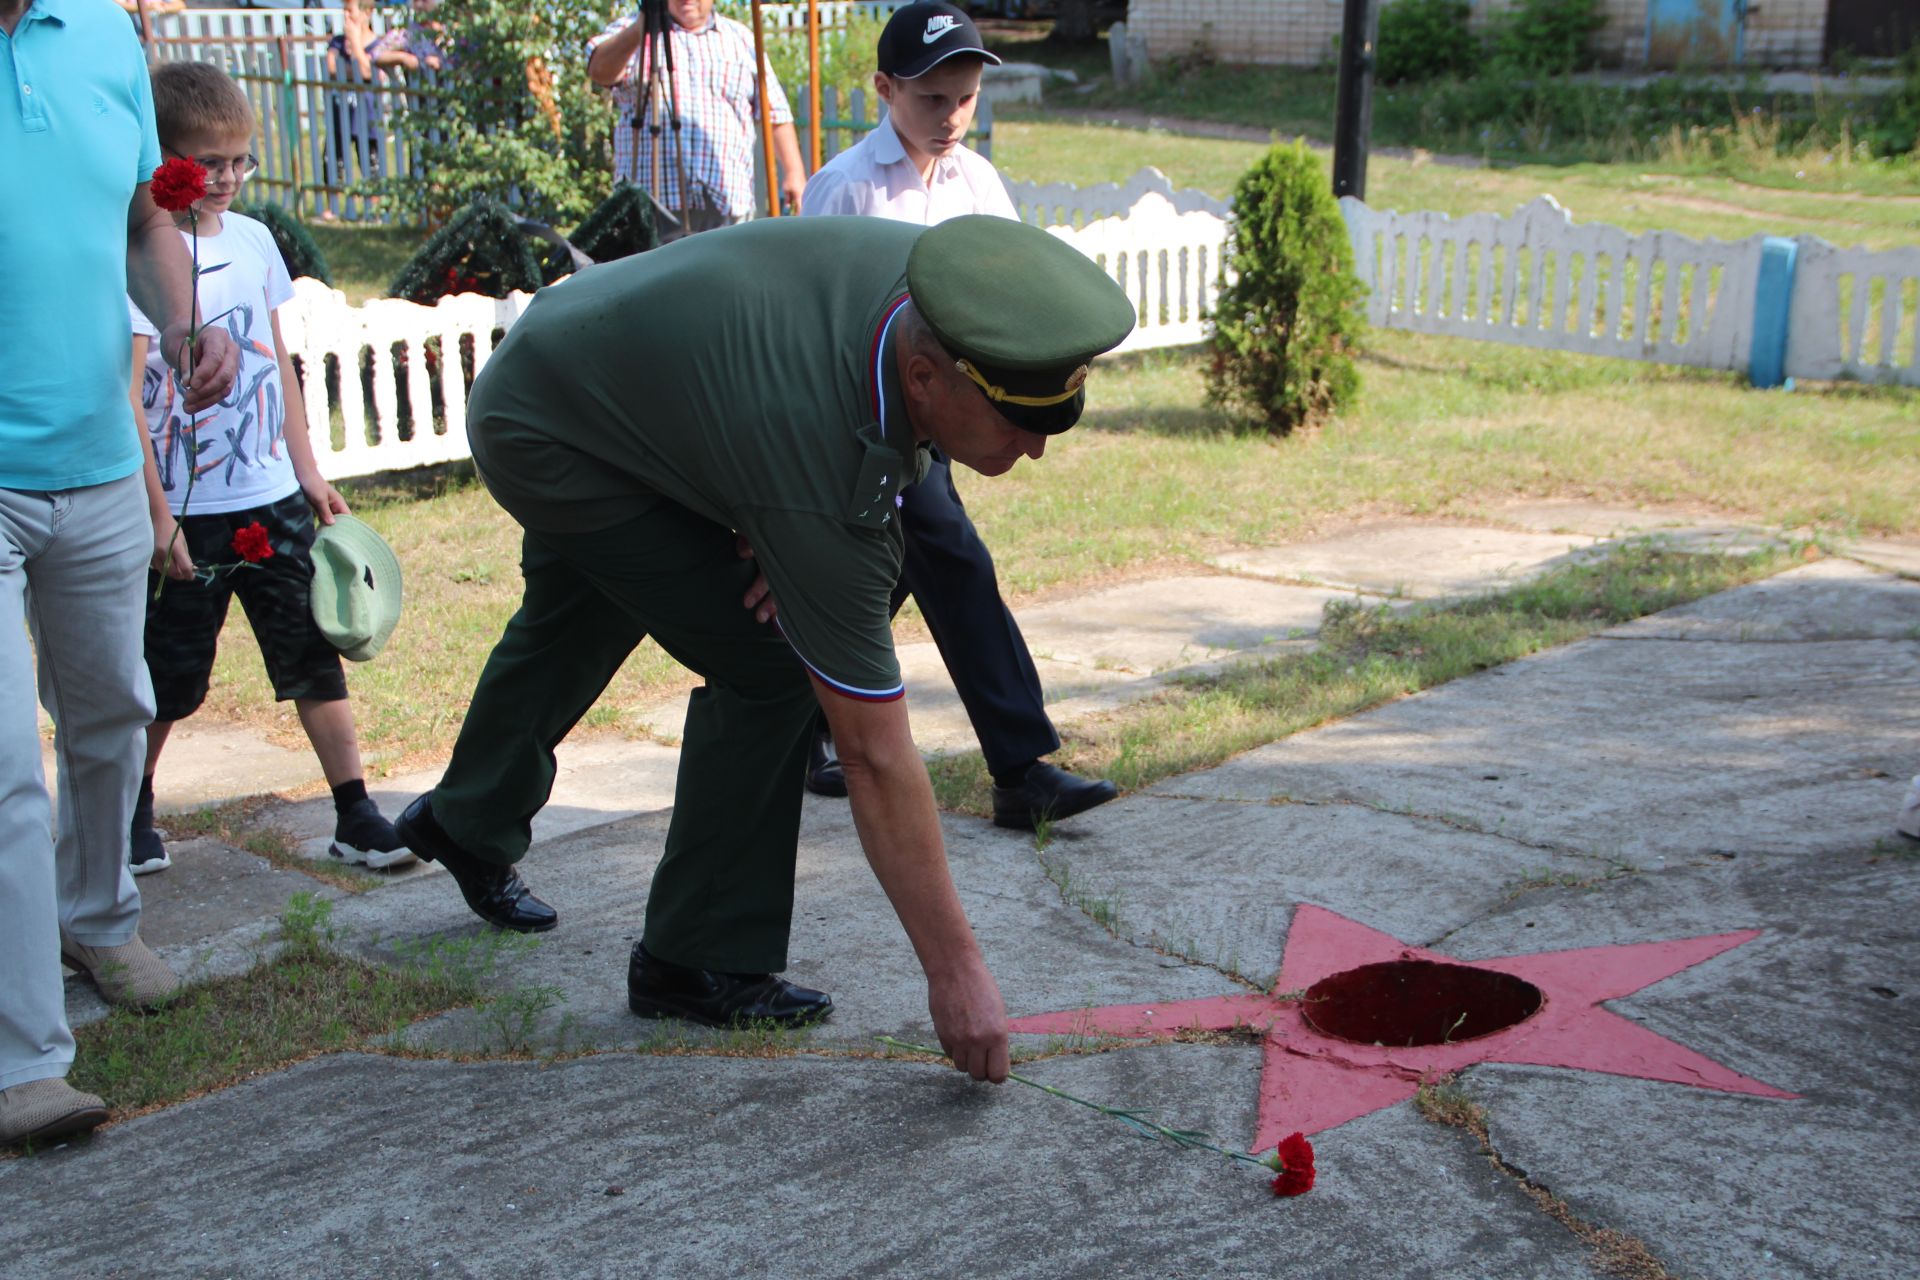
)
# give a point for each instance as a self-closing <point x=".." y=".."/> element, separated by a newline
<point x="1022" y="312"/>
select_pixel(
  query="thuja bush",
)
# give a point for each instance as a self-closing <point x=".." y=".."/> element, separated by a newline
<point x="1425" y="40"/>
<point x="511" y="115"/>
<point x="1285" y="331"/>
<point x="297" y="249"/>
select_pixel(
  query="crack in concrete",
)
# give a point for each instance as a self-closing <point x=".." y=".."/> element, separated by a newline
<point x="1615" y="1252"/>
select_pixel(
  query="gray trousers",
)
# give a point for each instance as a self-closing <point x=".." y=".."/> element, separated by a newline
<point x="73" y="570"/>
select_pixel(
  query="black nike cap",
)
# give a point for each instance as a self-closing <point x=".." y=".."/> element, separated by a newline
<point x="919" y="37"/>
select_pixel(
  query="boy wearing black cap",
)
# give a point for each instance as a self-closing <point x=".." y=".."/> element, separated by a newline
<point x="914" y="167"/>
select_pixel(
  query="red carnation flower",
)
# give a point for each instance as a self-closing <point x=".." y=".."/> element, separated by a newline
<point x="1294" y="1159"/>
<point x="251" y="543"/>
<point x="178" y="184"/>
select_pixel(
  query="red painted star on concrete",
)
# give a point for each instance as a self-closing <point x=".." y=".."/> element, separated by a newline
<point x="1311" y="1081"/>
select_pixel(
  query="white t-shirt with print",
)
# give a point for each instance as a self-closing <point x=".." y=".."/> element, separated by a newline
<point x="240" y="458"/>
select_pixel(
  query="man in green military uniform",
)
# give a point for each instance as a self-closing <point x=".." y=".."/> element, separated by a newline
<point x="708" y="439"/>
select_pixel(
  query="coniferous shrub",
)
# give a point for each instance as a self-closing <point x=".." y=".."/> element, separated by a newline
<point x="1285" y="331"/>
<point x="297" y="249"/>
<point x="480" y="250"/>
<point x="1425" y="40"/>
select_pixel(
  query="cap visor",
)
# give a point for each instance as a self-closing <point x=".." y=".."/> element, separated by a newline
<point x="913" y="71"/>
<point x="1046" y="419"/>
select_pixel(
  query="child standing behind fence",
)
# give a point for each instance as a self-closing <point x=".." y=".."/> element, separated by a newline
<point x="353" y="116"/>
<point x="238" y="473"/>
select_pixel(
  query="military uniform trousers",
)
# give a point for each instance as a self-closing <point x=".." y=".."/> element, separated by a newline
<point x="949" y="573"/>
<point x="722" y="896"/>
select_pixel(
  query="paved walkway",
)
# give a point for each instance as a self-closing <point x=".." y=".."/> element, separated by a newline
<point x="1739" y="1106"/>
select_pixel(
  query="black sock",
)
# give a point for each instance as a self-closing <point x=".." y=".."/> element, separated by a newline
<point x="348" y="794"/>
<point x="143" y="805"/>
<point x="1015" y="776"/>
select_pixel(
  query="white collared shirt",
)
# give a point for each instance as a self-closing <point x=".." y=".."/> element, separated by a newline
<point x="875" y="177"/>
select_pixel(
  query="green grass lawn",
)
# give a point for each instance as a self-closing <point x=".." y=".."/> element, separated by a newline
<point x="1153" y="478"/>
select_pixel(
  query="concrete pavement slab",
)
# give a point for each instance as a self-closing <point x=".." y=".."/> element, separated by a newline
<point x="1830" y="599"/>
<point x="1683" y="525"/>
<point x="1421" y="561"/>
<point x="600" y="779"/>
<point x="940" y="722"/>
<point x="1640" y="749"/>
<point x="1896" y="555"/>
<point x="617" y="1165"/>
<point x="1717" y="1184"/>
<point x="846" y="939"/>
<point x="1217" y="880"/>
<point x="210" y="763"/>
<point x="1163" y="623"/>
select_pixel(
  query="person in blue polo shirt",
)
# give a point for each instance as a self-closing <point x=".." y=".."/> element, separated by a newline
<point x="77" y="227"/>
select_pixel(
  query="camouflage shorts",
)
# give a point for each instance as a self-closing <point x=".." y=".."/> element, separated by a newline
<point x="183" y="623"/>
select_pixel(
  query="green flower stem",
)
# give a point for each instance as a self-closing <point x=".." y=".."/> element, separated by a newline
<point x="1191" y="1138"/>
<point x="193" y="420"/>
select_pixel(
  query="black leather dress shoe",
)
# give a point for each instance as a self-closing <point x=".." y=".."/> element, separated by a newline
<point x="1048" y="793"/>
<point x="657" y="989"/>
<point x="824" y="775"/>
<point x="496" y="893"/>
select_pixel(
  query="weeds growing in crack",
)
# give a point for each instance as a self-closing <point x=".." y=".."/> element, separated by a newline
<point x="1444" y="1101"/>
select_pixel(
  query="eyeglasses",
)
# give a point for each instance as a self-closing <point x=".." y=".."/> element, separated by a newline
<point x="240" y="170"/>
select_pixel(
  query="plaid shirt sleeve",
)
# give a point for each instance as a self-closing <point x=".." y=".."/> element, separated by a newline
<point x="714" y="85"/>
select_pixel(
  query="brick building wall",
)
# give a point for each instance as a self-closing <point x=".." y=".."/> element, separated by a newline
<point x="1303" y="33"/>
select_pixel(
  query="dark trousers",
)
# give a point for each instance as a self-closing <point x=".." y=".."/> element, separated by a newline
<point x="949" y="573"/>
<point x="722" y="897"/>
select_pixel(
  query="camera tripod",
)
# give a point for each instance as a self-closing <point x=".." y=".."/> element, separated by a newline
<point x="658" y="108"/>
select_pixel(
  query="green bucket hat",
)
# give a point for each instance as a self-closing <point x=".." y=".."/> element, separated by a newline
<point x="356" y="588"/>
<point x="1022" y="312"/>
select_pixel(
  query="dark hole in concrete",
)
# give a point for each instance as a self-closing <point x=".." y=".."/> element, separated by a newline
<point x="1413" y="1002"/>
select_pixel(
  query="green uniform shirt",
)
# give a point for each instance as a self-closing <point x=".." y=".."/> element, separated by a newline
<point x="744" y="374"/>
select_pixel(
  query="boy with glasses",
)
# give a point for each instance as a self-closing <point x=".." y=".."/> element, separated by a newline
<point x="234" y="492"/>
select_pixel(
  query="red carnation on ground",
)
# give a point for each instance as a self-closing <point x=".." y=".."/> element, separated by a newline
<point x="1294" y="1159"/>
<point x="251" y="543"/>
<point x="178" y="184"/>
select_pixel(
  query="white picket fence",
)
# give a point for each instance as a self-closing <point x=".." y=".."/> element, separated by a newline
<point x="1163" y="247"/>
<point x="391" y="376"/>
<point x="1537" y="279"/>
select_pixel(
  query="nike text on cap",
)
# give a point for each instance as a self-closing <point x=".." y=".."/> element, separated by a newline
<point x="919" y="37"/>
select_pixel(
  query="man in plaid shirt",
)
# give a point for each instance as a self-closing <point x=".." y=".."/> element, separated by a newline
<point x="714" y="73"/>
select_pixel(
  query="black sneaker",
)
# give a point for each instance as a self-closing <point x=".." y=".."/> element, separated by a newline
<point x="146" y="851"/>
<point x="363" y="836"/>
